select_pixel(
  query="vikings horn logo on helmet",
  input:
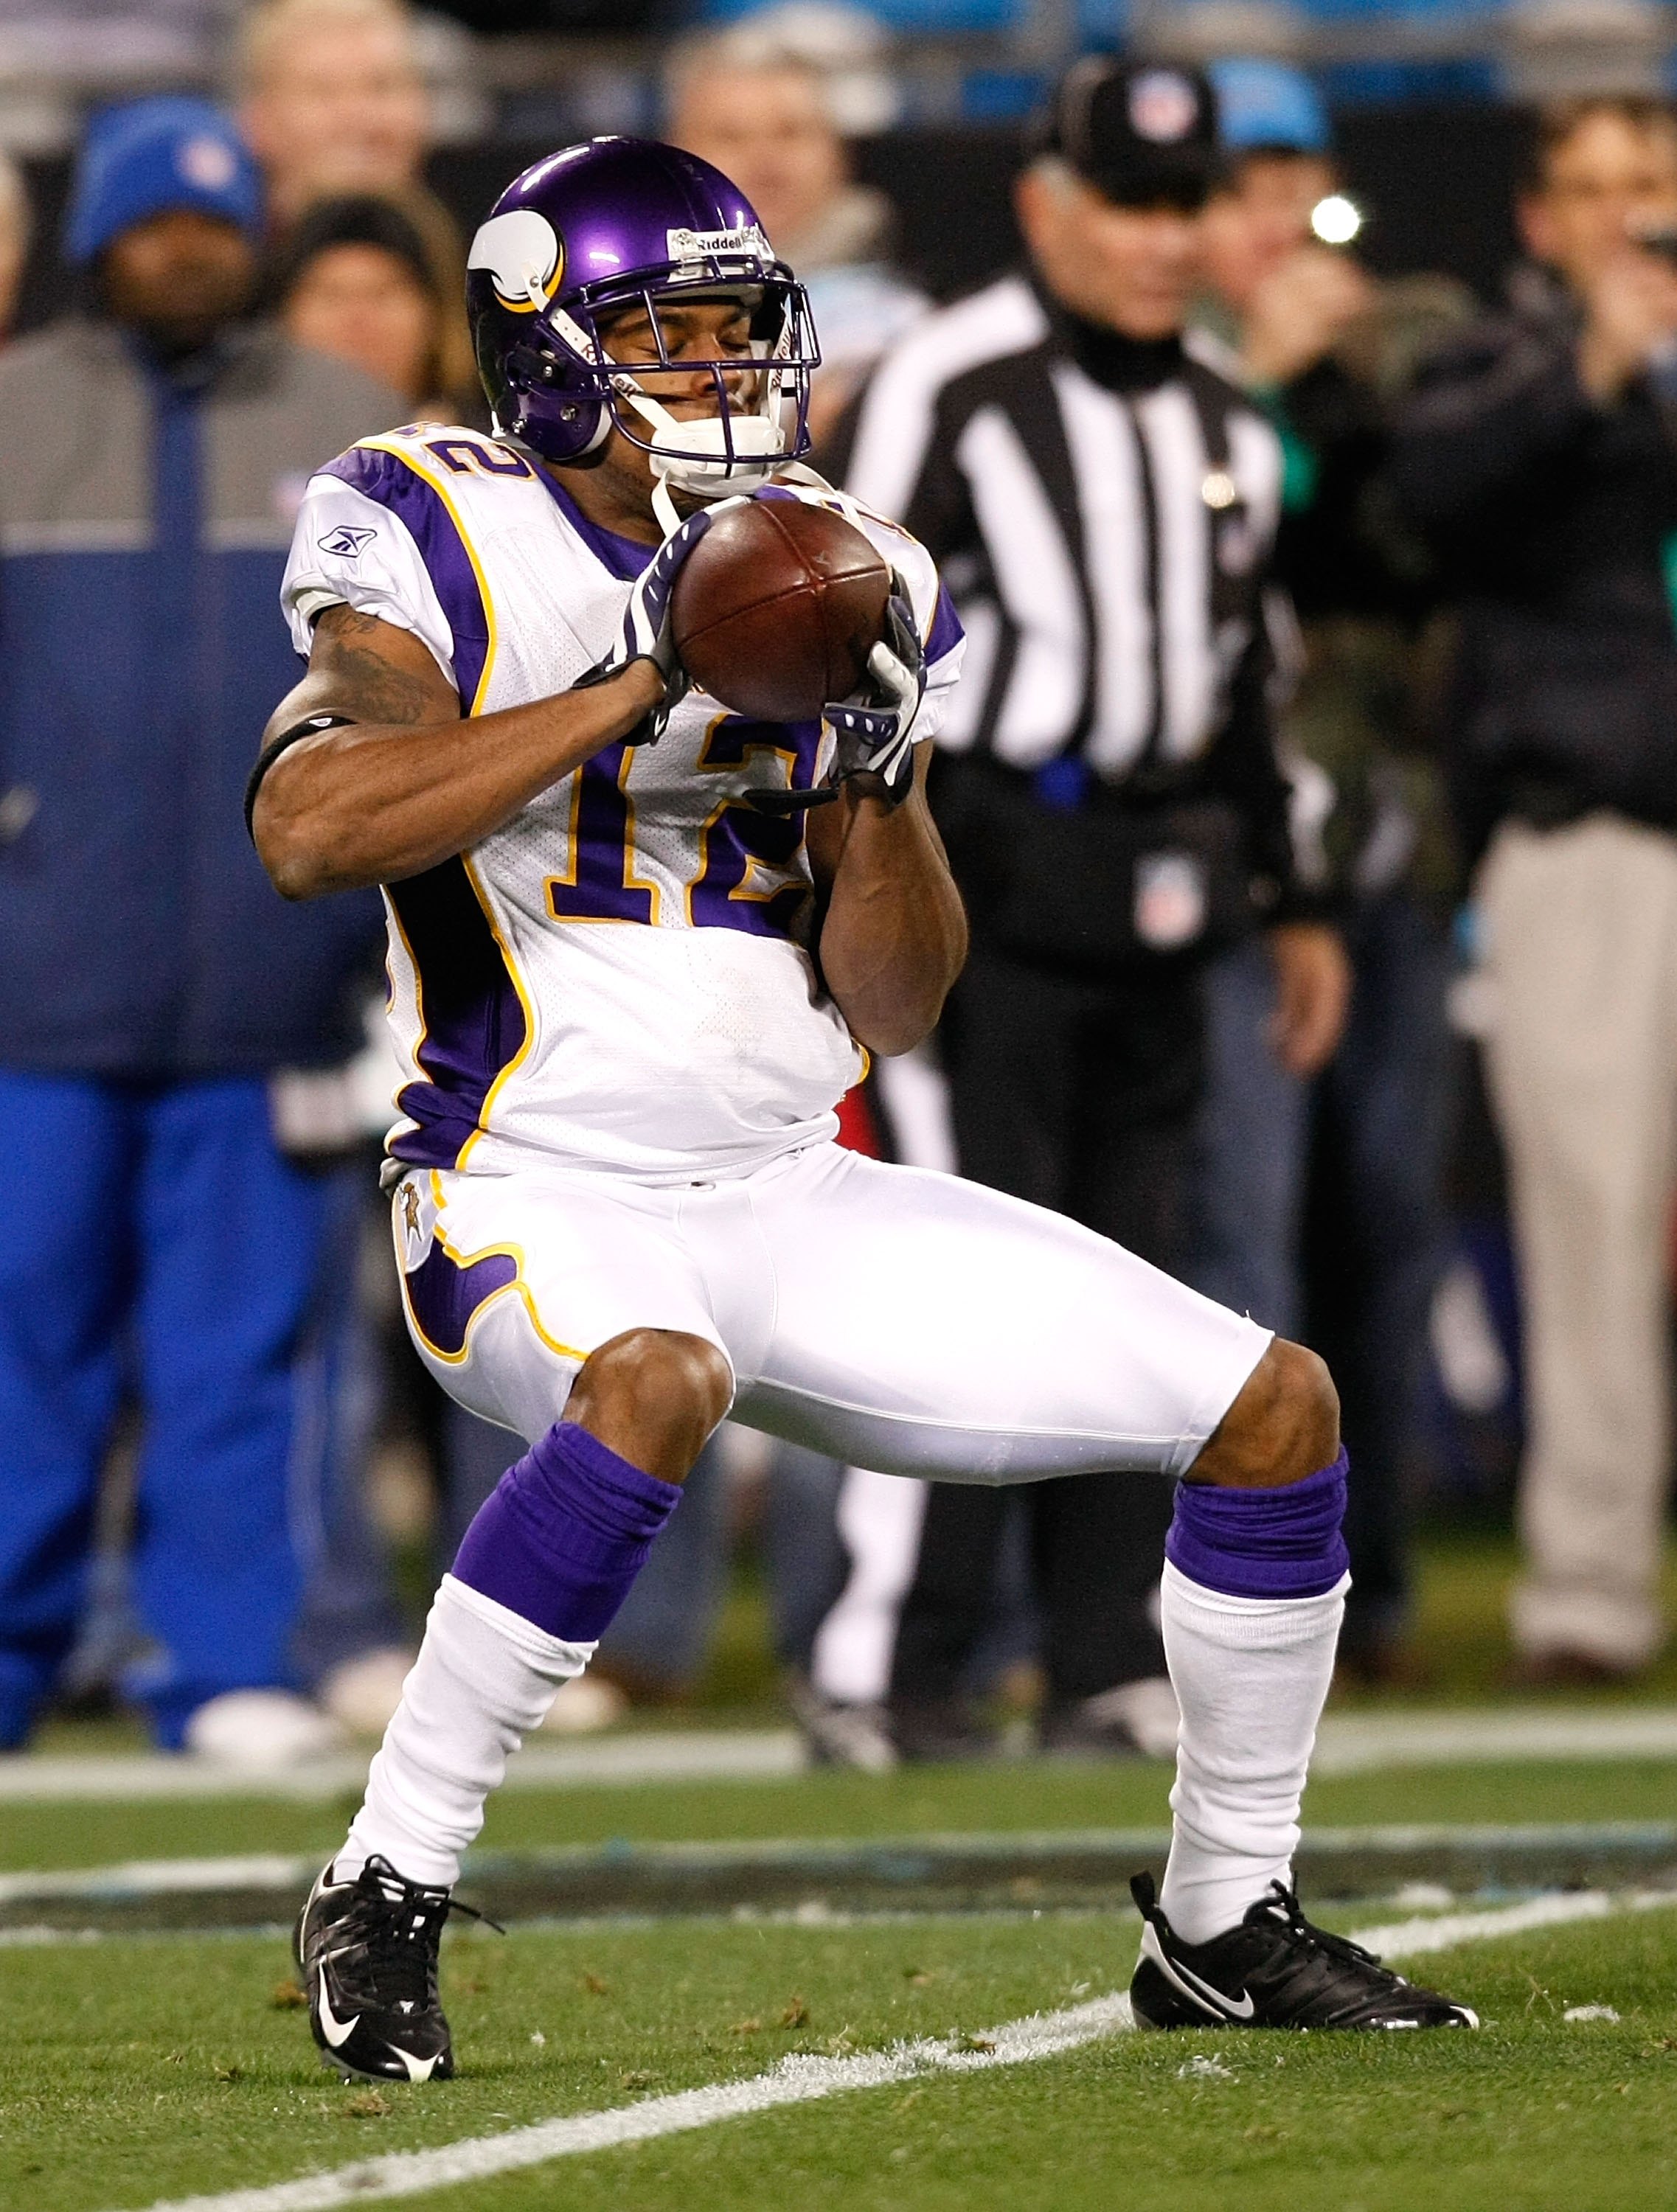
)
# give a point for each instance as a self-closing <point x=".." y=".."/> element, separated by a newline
<point x="521" y="254"/>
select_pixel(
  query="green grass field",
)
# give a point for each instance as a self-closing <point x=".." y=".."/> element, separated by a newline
<point x="828" y="1803"/>
<point x="140" y="2072"/>
<point x="142" y="2069"/>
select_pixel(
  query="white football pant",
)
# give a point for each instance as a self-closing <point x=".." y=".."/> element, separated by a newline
<point x="888" y="1316"/>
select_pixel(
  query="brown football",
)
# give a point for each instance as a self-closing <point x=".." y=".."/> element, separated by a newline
<point x="777" y="608"/>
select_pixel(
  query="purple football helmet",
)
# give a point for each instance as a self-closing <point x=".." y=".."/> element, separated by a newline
<point x="628" y="223"/>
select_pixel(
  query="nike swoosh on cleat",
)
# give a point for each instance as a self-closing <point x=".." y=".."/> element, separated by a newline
<point x="1218" y="2000"/>
<point x="336" y="2032"/>
<point x="419" y="2070"/>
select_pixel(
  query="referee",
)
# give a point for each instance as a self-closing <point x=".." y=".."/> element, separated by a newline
<point x="1102" y="506"/>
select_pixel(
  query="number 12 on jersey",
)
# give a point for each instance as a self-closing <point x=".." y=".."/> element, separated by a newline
<point x="742" y="858"/>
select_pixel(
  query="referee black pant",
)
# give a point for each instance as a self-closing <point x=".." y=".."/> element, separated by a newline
<point x="1079" y="1095"/>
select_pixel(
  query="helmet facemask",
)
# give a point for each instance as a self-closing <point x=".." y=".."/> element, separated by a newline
<point x="759" y="419"/>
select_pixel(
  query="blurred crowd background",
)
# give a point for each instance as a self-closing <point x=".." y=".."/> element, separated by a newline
<point x="1439" y="253"/>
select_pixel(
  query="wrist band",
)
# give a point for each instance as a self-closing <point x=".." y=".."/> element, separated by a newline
<point x="310" y="728"/>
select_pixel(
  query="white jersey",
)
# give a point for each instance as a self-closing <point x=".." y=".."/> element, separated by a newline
<point x="621" y="977"/>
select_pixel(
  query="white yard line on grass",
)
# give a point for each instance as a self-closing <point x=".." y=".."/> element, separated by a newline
<point x="795" y="2080"/>
<point x="163" y="1878"/>
<point x="658" y="1755"/>
<point x="1347" y="1743"/>
<point x="956" y="1856"/>
<point x="799" y="2081"/>
<point x="1412" y="1939"/>
<point x="1362" y="1743"/>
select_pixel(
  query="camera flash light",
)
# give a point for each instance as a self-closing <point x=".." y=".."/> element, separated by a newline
<point x="1336" y="220"/>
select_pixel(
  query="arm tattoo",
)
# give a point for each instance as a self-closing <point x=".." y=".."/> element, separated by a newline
<point x="364" y="685"/>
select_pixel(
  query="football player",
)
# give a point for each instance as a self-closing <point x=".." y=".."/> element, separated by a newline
<point x="639" y="947"/>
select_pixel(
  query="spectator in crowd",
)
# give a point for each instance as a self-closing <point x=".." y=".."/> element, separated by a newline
<point x="1539" y="455"/>
<point x="333" y="100"/>
<point x="1345" y="1168"/>
<point x="1103" y="506"/>
<point x="752" y="100"/>
<point x="356" y="279"/>
<point x="155" y="1238"/>
<point x="334" y="105"/>
<point x="15" y="228"/>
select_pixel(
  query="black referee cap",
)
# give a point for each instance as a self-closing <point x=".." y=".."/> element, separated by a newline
<point x="1140" y="133"/>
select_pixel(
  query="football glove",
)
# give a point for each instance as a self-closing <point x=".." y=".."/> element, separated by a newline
<point x="647" y="634"/>
<point x="874" y="733"/>
<point x="874" y="747"/>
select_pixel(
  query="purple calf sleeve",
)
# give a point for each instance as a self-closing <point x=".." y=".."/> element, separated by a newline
<point x="564" y="1533"/>
<point x="1262" y="1543"/>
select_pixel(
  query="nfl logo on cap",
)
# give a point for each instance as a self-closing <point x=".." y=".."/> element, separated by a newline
<point x="207" y="162"/>
<point x="1164" y="107"/>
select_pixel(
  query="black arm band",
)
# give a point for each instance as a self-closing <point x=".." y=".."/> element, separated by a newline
<point x="286" y="739"/>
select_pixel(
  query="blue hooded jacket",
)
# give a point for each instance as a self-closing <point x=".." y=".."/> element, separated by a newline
<point x="144" y="522"/>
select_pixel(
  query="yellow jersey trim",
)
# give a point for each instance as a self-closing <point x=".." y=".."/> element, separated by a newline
<point x="405" y="453"/>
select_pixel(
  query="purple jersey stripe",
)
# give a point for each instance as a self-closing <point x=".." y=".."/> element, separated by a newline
<point x="439" y="1138"/>
<point x="474" y="1024"/>
<point x="396" y="484"/>
<point x="624" y="558"/>
<point x="946" y="632"/>
<point x="444" y="1295"/>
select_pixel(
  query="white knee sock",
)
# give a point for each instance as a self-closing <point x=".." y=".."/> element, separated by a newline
<point x="484" y="1677"/>
<point x="1252" y="1676"/>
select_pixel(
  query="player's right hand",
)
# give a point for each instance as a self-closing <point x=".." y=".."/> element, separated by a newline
<point x="646" y="633"/>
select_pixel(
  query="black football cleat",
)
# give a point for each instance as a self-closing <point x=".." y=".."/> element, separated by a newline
<point x="1275" y="1970"/>
<point x="366" y="1955"/>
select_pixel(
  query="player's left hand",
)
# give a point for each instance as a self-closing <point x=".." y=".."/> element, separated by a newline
<point x="1312" y="995"/>
<point x="875" y="749"/>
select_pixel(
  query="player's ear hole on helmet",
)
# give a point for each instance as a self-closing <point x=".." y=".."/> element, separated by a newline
<point x="536" y="362"/>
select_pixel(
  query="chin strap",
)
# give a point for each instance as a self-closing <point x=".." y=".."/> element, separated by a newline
<point x="706" y="476"/>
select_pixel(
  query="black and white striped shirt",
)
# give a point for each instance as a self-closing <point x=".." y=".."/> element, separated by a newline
<point x="1103" y="515"/>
